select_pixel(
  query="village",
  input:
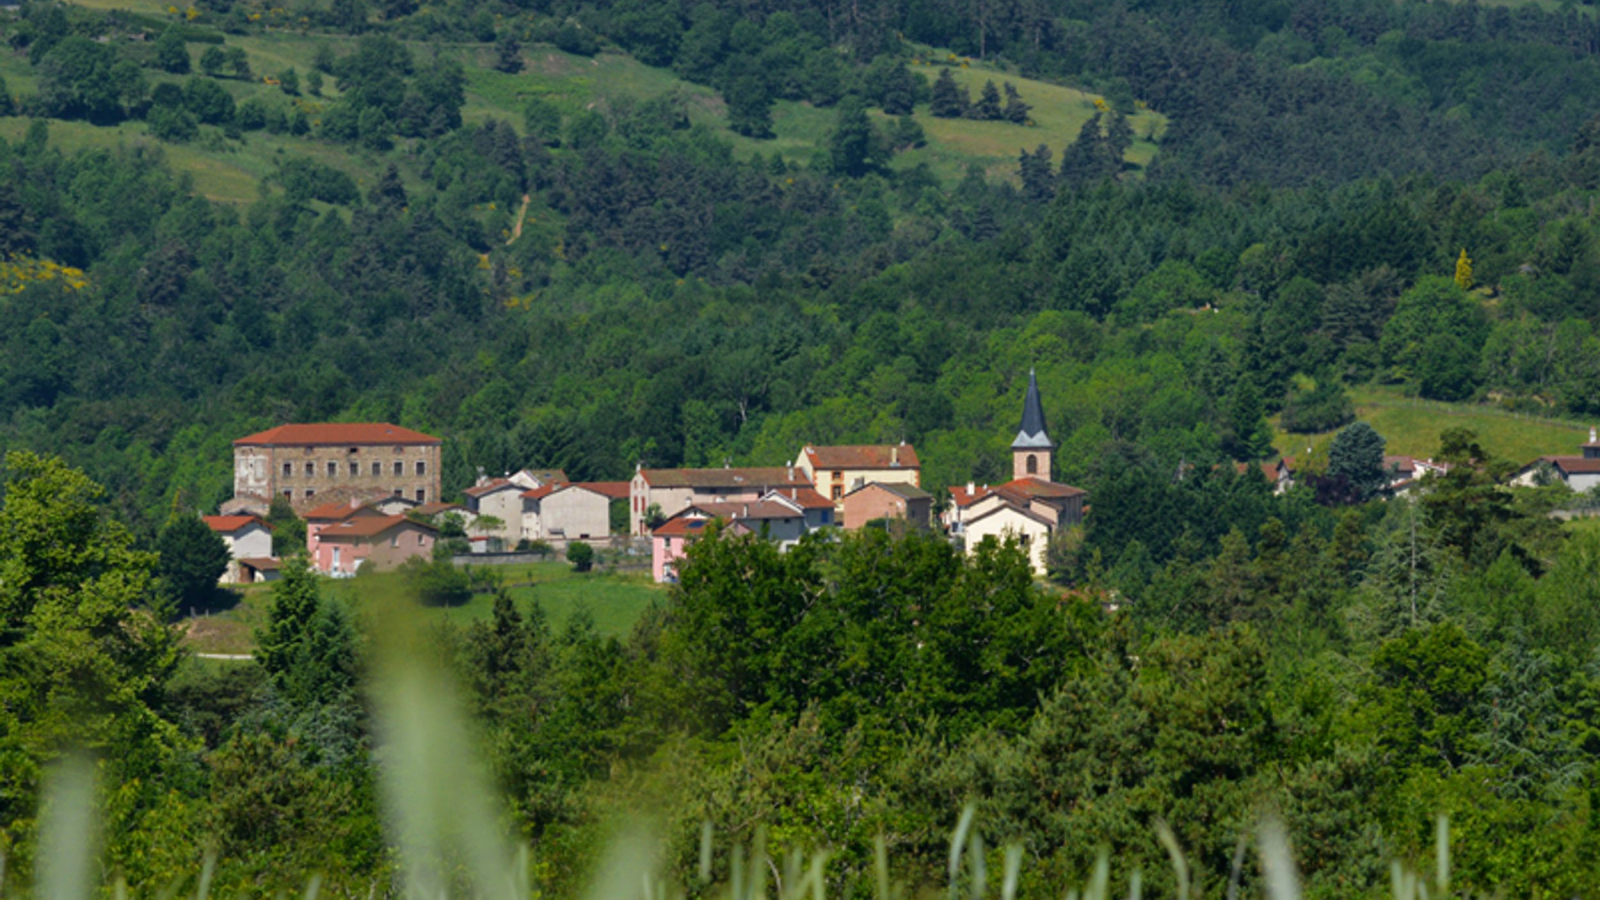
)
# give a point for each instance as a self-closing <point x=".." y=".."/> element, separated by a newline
<point x="369" y="495"/>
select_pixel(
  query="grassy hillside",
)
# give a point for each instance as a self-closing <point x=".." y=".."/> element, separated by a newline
<point x="233" y="170"/>
<point x="1411" y="427"/>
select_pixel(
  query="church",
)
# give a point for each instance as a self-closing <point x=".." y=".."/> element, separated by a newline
<point x="1031" y="507"/>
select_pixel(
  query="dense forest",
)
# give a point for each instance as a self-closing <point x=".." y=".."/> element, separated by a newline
<point x="1349" y="193"/>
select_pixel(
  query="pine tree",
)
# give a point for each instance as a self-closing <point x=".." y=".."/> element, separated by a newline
<point x="1464" y="271"/>
<point x="389" y="193"/>
<point x="987" y="108"/>
<point x="1084" y="162"/>
<point x="1119" y="137"/>
<point x="192" y="559"/>
<point x="295" y="601"/>
<point x="855" y="147"/>
<point x="1038" y="178"/>
<point x="8" y="105"/>
<point x="948" y="100"/>
<point x="1357" y="457"/>
<point x="1016" y="110"/>
<point x="508" y="54"/>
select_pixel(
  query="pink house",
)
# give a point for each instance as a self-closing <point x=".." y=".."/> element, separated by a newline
<point x="670" y="542"/>
<point x="328" y="514"/>
<point x="379" y="541"/>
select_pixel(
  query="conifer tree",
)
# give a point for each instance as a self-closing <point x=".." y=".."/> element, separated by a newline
<point x="948" y="100"/>
<point x="1119" y="137"/>
<point x="987" y="108"/>
<point x="1016" y="110"/>
<point x="1038" y="178"/>
<point x="8" y="105"/>
<point x="1084" y="162"/>
<point x="508" y="54"/>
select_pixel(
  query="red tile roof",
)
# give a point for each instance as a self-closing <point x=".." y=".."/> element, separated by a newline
<point x="1013" y="507"/>
<point x="755" y="509"/>
<point x="616" y="490"/>
<point x="1575" y="465"/>
<point x="488" y="487"/>
<point x="262" y="563"/>
<point x="1038" y="487"/>
<point x="230" y="524"/>
<point x="1402" y="464"/>
<point x="692" y="526"/>
<point x="434" y="509"/>
<point x="965" y="498"/>
<point x="367" y="527"/>
<point x="863" y="456"/>
<point x="806" y="497"/>
<point x="335" y="433"/>
<point x="742" y="479"/>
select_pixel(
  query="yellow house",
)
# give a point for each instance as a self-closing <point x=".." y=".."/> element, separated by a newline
<point x="836" y="471"/>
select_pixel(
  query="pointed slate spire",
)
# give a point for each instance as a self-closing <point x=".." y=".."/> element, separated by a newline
<point x="1031" y="434"/>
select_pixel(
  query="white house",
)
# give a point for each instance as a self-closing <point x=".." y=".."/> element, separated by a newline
<point x="564" y="511"/>
<point x="249" y="541"/>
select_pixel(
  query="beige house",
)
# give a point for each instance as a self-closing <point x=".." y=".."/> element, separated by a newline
<point x="1004" y="522"/>
<point x="557" y="512"/>
<point x="675" y="490"/>
<point x="311" y="464"/>
<point x="836" y="471"/>
<point x="248" y="538"/>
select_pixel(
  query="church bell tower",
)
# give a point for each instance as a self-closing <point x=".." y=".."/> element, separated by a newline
<point x="1032" y="450"/>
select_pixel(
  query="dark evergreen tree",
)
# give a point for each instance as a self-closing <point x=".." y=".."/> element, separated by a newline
<point x="854" y="146"/>
<point x="1356" y="457"/>
<point x="1016" y="110"/>
<point x="1247" y="435"/>
<point x="1084" y="162"/>
<point x="212" y="61"/>
<point x="192" y="560"/>
<point x="949" y="99"/>
<point x="1038" y="176"/>
<point x="988" y="107"/>
<point x="8" y="104"/>
<point x="508" y="54"/>
<point x="388" y="194"/>
<point x="296" y="600"/>
<point x="1119" y="137"/>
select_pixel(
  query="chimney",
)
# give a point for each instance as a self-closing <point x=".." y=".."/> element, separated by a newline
<point x="481" y="478"/>
<point x="791" y="470"/>
<point x="894" y="456"/>
<point x="1593" y="438"/>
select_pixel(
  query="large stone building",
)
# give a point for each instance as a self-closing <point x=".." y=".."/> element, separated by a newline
<point x="311" y="465"/>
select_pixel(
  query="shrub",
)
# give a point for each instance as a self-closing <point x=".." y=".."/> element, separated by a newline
<point x="581" y="555"/>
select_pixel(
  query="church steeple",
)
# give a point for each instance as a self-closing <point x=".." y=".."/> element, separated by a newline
<point x="1031" y="451"/>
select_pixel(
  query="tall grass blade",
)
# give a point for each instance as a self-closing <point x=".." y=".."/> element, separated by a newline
<point x="1008" y="883"/>
<point x="706" y="834"/>
<point x="1100" y="881"/>
<point x="958" y="843"/>
<point x="67" y="831"/>
<point x="1180" y="867"/>
<point x="880" y="867"/>
<point x="1441" y="849"/>
<point x="977" y="867"/>
<point x="1136" y="885"/>
<point x="1277" y="862"/>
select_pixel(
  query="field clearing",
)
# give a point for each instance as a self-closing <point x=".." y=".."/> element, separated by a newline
<point x="616" y="600"/>
<point x="1411" y="427"/>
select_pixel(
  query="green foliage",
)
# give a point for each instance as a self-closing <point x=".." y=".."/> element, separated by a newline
<point x="855" y="146"/>
<point x="171" y="53"/>
<point x="1356" y="457"/>
<point x="581" y="555"/>
<point x="436" y="582"/>
<point x="191" y="560"/>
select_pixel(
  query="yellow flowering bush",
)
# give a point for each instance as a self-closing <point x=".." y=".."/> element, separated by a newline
<point x="17" y="272"/>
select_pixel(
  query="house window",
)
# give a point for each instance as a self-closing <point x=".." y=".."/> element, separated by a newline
<point x="422" y="495"/>
<point x="377" y="469"/>
<point x="1033" y="464"/>
<point x="311" y="470"/>
<point x="399" y="467"/>
<point x="838" y="476"/>
<point x="288" y="470"/>
<point x="838" y="491"/>
<point x="422" y="468"/>
<point x="666" y="544"/>
<point x="421" y="539"/>
<point x="827" y="516"/>
<point x="288" y="495"/>
<point x="355" y="468"/>
<point x="310" y="492"/>
<point x="333" y="470"/>
<point x="394" y="541"/>
<point x="399" y="492"/>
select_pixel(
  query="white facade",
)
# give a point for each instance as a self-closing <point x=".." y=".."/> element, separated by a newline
<point x="567" y="512"/>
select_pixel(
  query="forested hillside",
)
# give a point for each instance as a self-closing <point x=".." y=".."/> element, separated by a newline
<point x="595" y="235"/>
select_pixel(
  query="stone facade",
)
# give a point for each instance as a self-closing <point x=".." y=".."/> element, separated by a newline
<point x="311" y="465"/>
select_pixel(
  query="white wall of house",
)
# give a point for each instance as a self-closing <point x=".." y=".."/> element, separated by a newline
<point x="505" y="504"/>
<point x="1008" y="523"/>
<point x="252" y="541"/>
<point x="573" y="513"/>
